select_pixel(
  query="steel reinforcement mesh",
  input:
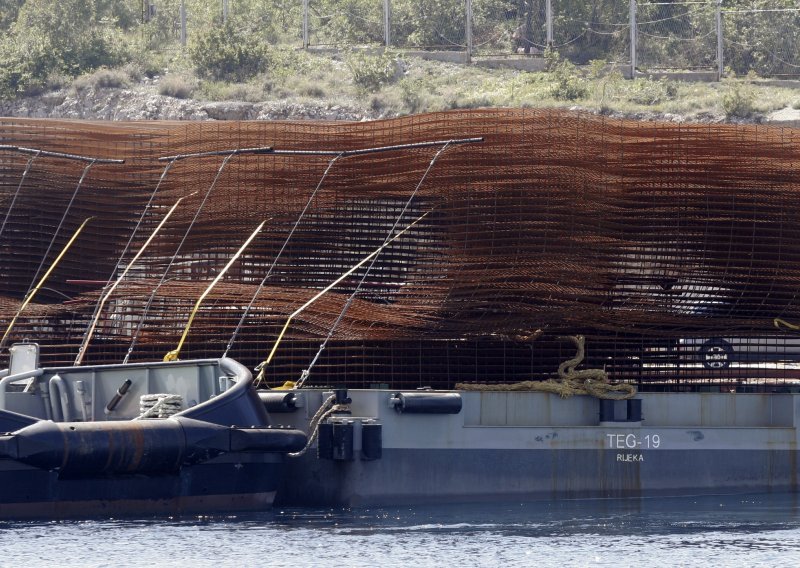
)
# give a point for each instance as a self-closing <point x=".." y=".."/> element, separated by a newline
<point x="673" y="248"/>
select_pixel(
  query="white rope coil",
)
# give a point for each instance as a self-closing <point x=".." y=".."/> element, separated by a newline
<point x="159" y="405"/>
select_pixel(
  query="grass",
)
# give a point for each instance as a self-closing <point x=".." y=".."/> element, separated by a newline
<point x="392" y="84"/>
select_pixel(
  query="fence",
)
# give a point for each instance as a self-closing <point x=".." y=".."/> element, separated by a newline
<point x="724" y="36"/>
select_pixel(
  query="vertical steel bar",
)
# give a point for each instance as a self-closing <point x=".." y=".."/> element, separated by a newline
<point x="183" y="23"/>
<point x="720" y="60"/>
<point x="469" y="29"/>
<point x="305" y="24"/>
<point x="387" y="22"/>
<point x="632" y="20"/>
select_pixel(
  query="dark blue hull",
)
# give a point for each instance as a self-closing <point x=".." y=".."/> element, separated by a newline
<point x="229" y="483"/>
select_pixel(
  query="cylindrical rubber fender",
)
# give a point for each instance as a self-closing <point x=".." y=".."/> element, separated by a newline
<point x="267" y="440"/>
<point x="427" y="402"/>
<point x="278" y="401"/>
<point x="139" y="446"/>
<point x="634" y="408"/>
<point x="371" y="441"/>
<point x="325" y="441"/>
<point x="343" y="441"/>
<point x="607" y="413"/>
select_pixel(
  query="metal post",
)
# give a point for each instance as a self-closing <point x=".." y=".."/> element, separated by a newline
<point x="183" y="23"/>
<point x="305" y="24"/>
<point x="549" y="11"/>
<point x="387" y="22"/>
<point x="632" y="20"/>
<point x="469" y="30"/>
<point x="224" y="11"/>
<point x="720" y="61"/>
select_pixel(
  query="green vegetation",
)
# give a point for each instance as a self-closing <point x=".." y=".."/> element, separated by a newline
<point x="66" y="37"/>
<point x="738" y="101"/>
<point x="255" y="56"/>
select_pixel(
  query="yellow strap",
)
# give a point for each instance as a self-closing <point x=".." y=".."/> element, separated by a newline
<point x="33" y="291"/>
<point x="260" y="367"/>
<point x="173" y="355"/>
<point x="778" y="322"/>
<point x="104" y="299"/>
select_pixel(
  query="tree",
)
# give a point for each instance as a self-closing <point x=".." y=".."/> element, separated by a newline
<point x="57" y="36"/>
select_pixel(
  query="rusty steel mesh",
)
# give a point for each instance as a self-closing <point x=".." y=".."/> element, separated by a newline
<point x="673" y="248"/>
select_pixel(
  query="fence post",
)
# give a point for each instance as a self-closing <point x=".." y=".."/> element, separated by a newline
<point x="224" y="11"/>
<point x="469" y="30"/>
<point x="549" y="12"/>
<point x="632" y="19"/>
<point x="387" y="22"/>
<point x="183" y="23"/>
<point x="720" y="61"/>
<point x="305" y="24"/>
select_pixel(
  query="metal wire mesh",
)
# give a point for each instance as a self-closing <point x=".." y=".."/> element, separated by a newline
<point x="681" y="35"/>
<point x="439" y="24"/>
<point x="765" y="40"/>
<point x="583" y="32"/>
<point x="348" y="22"/>
<point x="672" y="247"/>
<point x="502" y="28"/>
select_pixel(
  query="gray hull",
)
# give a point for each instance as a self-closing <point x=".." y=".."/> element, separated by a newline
<point x="531" y="446"/>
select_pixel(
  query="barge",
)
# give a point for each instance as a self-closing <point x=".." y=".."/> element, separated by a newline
<point x="394" y="448"/>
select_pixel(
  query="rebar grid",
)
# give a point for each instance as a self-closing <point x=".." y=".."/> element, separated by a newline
<point x="649" y="238"/>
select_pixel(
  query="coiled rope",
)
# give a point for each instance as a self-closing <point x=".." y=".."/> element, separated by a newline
<point x="587" y="382"/>
<point x="326" y="409"/>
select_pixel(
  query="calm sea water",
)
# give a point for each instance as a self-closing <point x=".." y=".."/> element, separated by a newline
<point x="707" y="531"/>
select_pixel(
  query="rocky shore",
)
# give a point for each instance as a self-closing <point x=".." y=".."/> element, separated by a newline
<point x="143" y="102"/>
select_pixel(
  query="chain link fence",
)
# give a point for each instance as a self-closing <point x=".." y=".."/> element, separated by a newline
<point x="764" y="40"/>
<point x="721" y="36"/>
<point x="676" y="35"/>
<point x="428" y="24"/>
<point x="345" y="22"/>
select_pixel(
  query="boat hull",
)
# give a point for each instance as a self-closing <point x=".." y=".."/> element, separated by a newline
<point x="532" y="446"/>
<point x="229" y="483"/>
<point x="416" y="476"/>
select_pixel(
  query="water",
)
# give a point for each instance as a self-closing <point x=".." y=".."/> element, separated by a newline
<point x="704" y="531"/>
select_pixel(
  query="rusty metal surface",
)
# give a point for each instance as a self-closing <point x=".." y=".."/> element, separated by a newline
<point x="638" y="235"/>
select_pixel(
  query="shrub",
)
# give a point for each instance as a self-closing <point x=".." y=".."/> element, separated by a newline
<point x="176" y="86"/>
<point x="738" y="101"/>
<point x="567" y="85"/>
<point x="370" y="72"/>
<point x="224" y="53"/>
<point x="648" y="92"/>
<point x="67" y="37"/>
<point x="102" y="79"/>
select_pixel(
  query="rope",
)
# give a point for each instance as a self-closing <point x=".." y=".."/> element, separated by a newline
<point x="326" y="409"/>
<point x="159" y="405"/>
<point x="173" y="355"/>
<point x="16" y="193"/>
<point x="98" y="307"/>
<point x="782" y="323"/>
<point x="307" y="372"/>
<point x="278" y="256"/>
<point x="587" y="382"/>
<point x="87" y="336"/>
<point x="34" y="289"/>
<point x="174" y="257"/>
<point x="262" y="366"/>
<point x="64" y="216"/>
